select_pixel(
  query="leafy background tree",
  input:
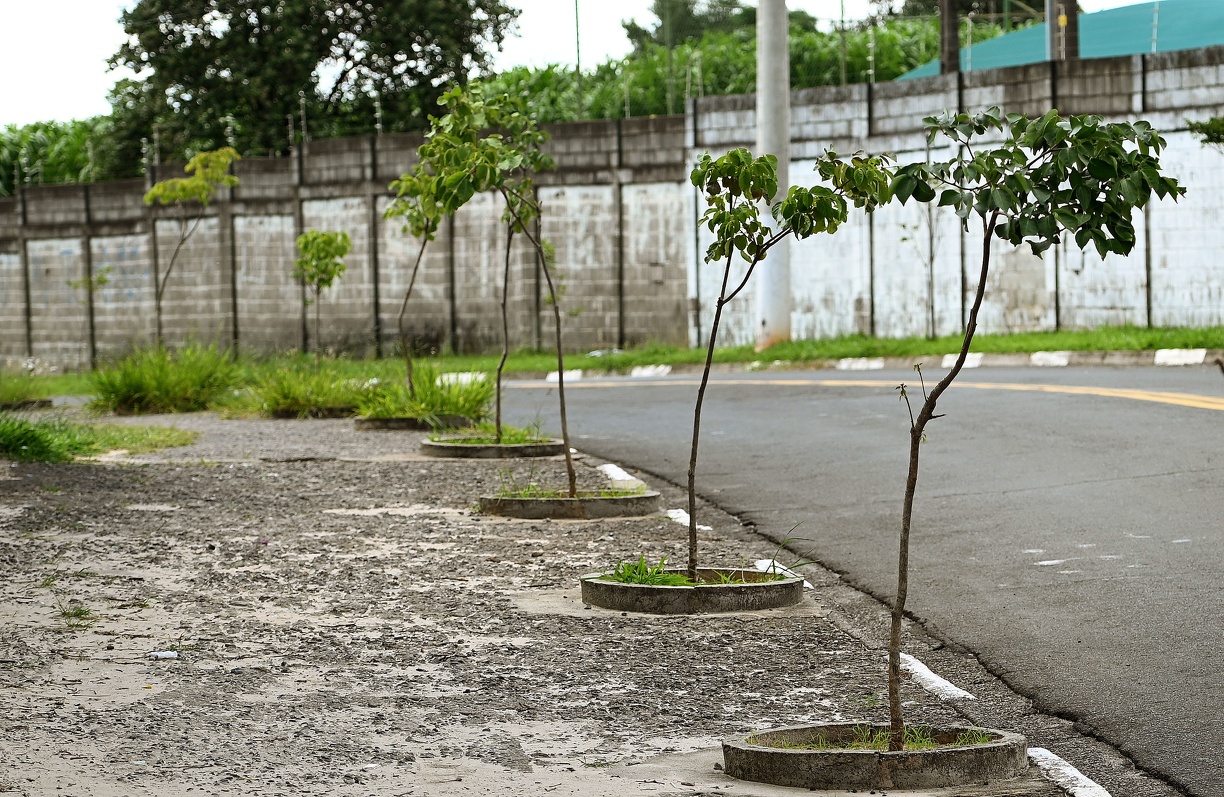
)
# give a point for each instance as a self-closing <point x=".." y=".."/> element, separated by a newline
<point x="212" y="72"/>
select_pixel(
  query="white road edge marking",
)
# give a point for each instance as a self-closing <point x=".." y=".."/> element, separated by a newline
<point x="1070" y="779"/>
<point x="931" y="682"/>
<point x="774" y="566"/>
<point x="1180" y="357"/>
<point x="860" y="364"/>
<point x="1050" y="359"/>
<point x="572" y="376"/>
<point x="973" y="360"/>
<point x="647" y="371"/>
<point x="682" y="517"/>
<point x="620" y="479"/>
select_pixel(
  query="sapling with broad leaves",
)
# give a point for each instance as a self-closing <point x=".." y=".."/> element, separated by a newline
<point x="190" y="196"/>
<point x="319" y="264"/>
<point x="1026" y="181"/>
<point x="735" y="187"/>
<point x="483" y="144"/>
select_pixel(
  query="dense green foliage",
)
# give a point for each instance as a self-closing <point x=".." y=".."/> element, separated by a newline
<point x="233" y="71"/>
<point x="55" y="152"/>
<point x="721" y="62"/>
<point x="56" y="439"/>
<point x="158" y="380"/>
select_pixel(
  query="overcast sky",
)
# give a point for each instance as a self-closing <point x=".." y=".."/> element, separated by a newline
<point x="53" y="59"/>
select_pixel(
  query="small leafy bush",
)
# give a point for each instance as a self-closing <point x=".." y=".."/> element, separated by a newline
<point x="304" y="392"/>
<point x="58" y="440"/>
<point x="436" y="397"/>
<point x="158" y="380"/>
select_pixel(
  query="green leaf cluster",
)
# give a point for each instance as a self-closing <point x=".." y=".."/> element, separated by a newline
<point x="1034" y="180"/>
<point x="484" y="143"/>
<point x="319" y="262"/>
<point x="208" y="172"/>
<point x="737" y="185"/>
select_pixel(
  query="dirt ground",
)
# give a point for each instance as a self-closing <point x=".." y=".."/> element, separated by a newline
<point x="343" y="623"/>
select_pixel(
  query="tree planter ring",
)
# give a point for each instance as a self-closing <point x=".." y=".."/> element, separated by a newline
<point x="315" y="413"/>
<point x="407" y="424"/>
<point x="761" y="591"/>
<point x="28" y="404"/>
<point x="1005" y="757"/>
<point x="580" y="508"/>
<point x="448" y="447"/>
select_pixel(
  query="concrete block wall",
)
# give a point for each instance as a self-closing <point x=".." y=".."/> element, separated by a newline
<point x="658" y="244"/>
<point x="124" y="306"/>
<point x="58" y="317"/>
<point x="427" y="318"/>
<point x="269" y="300"/>
<point x="346" y="309"/>
<point x="196" y="291"/>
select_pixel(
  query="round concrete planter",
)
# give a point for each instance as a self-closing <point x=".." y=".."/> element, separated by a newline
<point x="1003" y="758"/>
<point x="451" y="447"/>
<point x="584" y="507"/>
<point x="316" y="413"/>
<point x="406" y="424"/>
<point x="760" y="591"/>
<point x="30" y="404"/>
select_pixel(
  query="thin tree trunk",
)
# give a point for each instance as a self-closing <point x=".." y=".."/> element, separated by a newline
<point x="160" y="286"/>
<point x="505" y="314"/>
<point x="896" y="739"/>
<point x="405" y="345"/>
<point x="569" y="456"/>
<point x="705" y="380"/>
<point x="552" y="295"/>
<point x="318" y="338"/>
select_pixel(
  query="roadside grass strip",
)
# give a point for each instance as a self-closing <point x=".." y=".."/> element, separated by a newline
<point x="944" y="690"/>
<point x="1070" y="779"/>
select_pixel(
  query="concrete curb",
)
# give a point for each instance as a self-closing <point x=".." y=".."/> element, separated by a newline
<point x="1040" y="359"/>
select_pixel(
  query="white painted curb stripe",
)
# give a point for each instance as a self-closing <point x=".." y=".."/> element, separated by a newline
<point x="931" y="682"/>
<point x="860" y="364"/>
<point x="774" y="566"/>
<point x="973" y="360"/>
<point x="1180" y="356"/>
<point x="619" y="479"/>
<point x="461" y="378"/>
<point x="1050" y="359"/>
<point x="1072" y="781"/>
<point x="571" y="376"/>
<point x="647" y="371"/>
<point x="682" y="517"/>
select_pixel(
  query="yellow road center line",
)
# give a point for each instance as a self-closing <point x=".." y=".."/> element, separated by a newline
<point x="1179" y="399"/>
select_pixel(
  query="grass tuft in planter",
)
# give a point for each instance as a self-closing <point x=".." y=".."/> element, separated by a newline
<point x="157" y="380"/>
<point x="432" y="396"/>
<point x="307" y="392"/>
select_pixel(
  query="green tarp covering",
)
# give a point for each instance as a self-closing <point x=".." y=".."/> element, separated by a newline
<point x="1177" y="25"/>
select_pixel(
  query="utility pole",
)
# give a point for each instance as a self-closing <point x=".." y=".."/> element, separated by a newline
<point x="773" y="292"/>
<point x="1062" y="25"/>
<point x="949" y="39"/>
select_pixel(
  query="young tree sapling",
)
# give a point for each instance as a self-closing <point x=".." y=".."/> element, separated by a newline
<point x="319" y="264"/>
<point x="209" y="171"/>
<point x="1027" y="182"/>
<point x="735" y="186"/>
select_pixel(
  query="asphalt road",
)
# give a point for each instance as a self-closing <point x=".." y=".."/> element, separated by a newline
<point x="1073" y="541"/>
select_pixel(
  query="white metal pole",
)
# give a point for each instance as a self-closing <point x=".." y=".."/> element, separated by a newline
<point x="773" y="287"/>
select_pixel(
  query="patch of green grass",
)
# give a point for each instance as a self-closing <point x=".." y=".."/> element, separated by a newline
<point x="870" y="737"/>
<point x="75" y="615"/>
<point x="642" y="572"/>
<point x="436" y="396"/>
<point x="19" y="389"/>
<point x="486" y="434"/>
<point x="160" y="380"/>
<point x="58" y="440"/>
<point x="296" y="391"/>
